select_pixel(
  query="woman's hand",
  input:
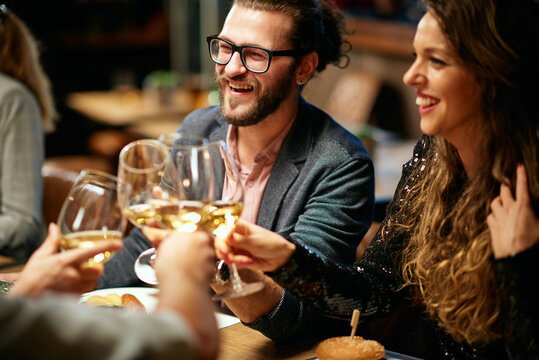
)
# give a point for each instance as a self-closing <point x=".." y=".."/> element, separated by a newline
<point x="254" y="247"/>
<point x="513" y="225"/>
<point x="47" y="269"/>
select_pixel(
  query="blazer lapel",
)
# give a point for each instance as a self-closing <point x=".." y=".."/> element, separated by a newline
<point x="292" y="155"/>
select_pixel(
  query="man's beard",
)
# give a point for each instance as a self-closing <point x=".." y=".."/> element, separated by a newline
<point x="262" y="107"/>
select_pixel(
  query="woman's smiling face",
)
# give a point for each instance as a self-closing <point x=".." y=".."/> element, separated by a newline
<point x="448" y="95"/>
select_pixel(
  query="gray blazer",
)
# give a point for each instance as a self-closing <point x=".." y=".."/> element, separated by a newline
<point x="320" y="192"/>
<point x="321" y="188"/>
<point x="55" y="327"/>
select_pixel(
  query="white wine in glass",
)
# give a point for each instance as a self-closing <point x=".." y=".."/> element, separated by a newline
<point x="224" y="211"/>
<point x="149" y="192"/>
<point x="142" y="193"/>
<point x="91" y="213"/>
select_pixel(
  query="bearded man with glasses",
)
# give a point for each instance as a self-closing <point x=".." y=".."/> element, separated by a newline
<point x="305" y="177"/>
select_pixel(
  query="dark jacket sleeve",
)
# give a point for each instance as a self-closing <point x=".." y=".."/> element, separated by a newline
<point x="119" y="271"/>
<point x="518" y="289"/>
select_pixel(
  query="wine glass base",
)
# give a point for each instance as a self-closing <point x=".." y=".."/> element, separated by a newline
<point x="239" y="290"/>
<point x="144" y="267"/>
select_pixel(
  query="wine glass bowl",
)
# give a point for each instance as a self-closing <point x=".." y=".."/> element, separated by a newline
<point x="91" y="213"/>
<point x="152" y="194"/>
<point x="144" y="198"/>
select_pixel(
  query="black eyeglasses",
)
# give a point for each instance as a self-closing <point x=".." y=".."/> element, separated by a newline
<point x="254" y="58"/>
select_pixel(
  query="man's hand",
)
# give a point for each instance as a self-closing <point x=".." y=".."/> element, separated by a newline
<point x="50" y="270"/>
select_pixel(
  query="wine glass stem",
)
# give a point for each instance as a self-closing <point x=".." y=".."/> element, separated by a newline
<point x="237" y="283"/>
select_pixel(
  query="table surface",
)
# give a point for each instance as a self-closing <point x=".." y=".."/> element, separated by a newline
<point x="131" y="106"/>
<point x="238" y="342"/>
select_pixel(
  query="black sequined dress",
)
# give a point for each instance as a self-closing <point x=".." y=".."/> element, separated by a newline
<point x="371" y="284"/>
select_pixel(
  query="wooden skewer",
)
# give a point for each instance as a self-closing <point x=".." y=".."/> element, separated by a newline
<point x="353" y="323"/>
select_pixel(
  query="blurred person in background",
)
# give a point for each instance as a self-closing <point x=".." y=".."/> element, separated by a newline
<point x="26" y="112"/>
<point x="460" y="244"/>
<point x="37" y="322"/>
<point x="304" y="175"/>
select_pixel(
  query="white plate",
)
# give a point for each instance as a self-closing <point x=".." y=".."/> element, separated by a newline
<point x="146" y="296"/>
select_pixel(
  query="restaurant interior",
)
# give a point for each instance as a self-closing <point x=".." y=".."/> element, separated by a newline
<point x="127" y="69"/>
<point x="105" y="58"/>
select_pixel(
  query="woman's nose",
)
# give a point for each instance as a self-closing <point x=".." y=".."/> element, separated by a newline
<point x="413" y="75"/>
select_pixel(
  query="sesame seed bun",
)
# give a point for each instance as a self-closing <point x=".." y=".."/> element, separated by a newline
<point x="349" y="348"/>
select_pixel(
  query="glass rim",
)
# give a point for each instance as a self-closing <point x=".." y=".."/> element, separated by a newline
<point x="179" y="135"/>
<point x="97" y="175"/>
<point x="156" y="143"/>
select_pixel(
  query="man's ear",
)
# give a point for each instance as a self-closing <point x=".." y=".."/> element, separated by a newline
<point x="306" y="68"/>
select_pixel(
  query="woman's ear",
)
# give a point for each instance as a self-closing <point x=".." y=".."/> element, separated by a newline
<point x="306" y="68"/>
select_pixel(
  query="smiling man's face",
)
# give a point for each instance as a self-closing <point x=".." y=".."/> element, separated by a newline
<point x="248" y="98"/>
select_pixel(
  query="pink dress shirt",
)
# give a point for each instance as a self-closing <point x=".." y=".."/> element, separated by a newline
<point x="253" y="180"/>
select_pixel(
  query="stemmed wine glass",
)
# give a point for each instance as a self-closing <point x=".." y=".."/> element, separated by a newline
<point x="224" y="211"/>
<point x="91" y="213"/>
<point x="149" y="193"/>
<point x="144" y="199"/>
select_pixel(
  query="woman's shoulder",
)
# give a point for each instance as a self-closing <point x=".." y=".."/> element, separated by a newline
<point x="14" y="90"/>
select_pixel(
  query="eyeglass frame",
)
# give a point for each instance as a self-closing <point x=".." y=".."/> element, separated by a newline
<point x="239" y="50"/>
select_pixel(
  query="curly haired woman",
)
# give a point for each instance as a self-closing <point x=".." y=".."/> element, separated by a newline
<point x="456" y="246"/>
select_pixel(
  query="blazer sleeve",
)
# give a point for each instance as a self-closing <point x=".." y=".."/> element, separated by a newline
<point x="21" y="158"/>
<point x="58" y="328"/>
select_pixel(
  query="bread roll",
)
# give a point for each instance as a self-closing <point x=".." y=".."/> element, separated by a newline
<point x="132" y="303"/>
<point x="349" y="348"/>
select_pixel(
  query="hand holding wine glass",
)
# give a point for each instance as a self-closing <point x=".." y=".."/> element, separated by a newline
<point x="50" y="270"/>
<point x="224" y="211"/>
<point x="255" y="247"/>
<point x="91" y="214"/>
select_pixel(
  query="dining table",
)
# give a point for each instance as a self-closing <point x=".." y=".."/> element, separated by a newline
<point x="239" y="342"/>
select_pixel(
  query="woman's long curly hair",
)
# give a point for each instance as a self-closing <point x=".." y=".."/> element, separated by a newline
<point x="448" y="256"/>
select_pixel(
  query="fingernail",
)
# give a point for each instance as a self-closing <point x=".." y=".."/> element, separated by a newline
<point x="246" y="261"/>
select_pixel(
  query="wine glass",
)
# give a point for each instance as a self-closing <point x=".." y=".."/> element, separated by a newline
<point x="150" y="195"/>
<point x="91" y="213"/>
<point x="146" y="200"/>
<point x="224" y="211"/>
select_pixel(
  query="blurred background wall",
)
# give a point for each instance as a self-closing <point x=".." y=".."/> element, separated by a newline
<point x="106" y="45"/>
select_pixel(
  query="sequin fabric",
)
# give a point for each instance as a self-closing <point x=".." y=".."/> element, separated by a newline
<point x="370" y="285"/>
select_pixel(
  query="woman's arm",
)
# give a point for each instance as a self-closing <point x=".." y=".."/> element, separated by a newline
<point x="514" y="230"/>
